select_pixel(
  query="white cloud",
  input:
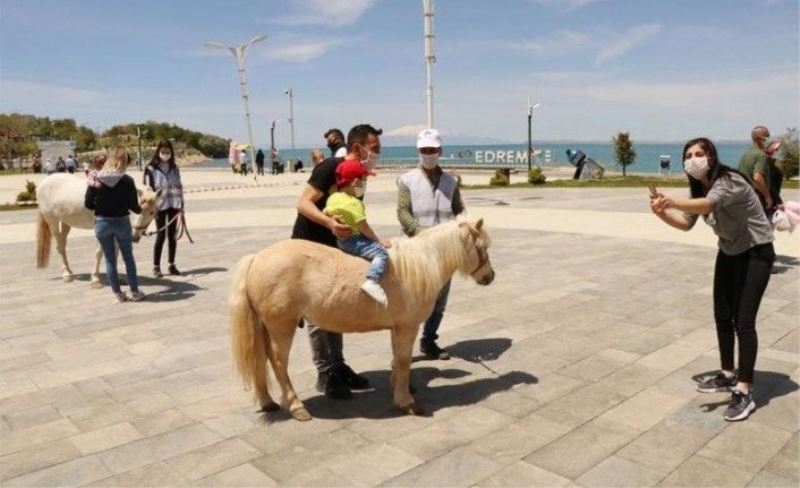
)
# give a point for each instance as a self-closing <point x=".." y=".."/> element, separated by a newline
<point x="628" y="41"/>
<point x="300" y="52"/>
<point x="688" y="95"/>
<point x="20" y="94"/>
<point x="561" y="42"/>
<point x="326" y="12"/>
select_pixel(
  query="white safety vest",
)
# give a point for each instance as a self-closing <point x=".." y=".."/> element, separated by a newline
<point x="430" y="206"/>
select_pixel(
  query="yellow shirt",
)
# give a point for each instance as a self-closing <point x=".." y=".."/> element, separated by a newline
<point x="349" y="208"/>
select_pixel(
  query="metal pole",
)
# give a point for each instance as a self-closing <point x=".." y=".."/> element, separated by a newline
<point x="430" y="57"/>
<point x="272" y="145"/>
<point x="290" y="92"/>
<point x="138" y="147"/>
<point x="240" y="57"/>
<point x="530" y="137"/>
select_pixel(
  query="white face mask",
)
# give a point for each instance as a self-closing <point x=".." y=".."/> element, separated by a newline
<point x="697" y="168"/>
<point x="372" y="161"/>
<point x="164" y="156"/>
<point x="428" y="161"/>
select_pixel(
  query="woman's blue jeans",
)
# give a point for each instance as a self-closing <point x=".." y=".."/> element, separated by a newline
<point x="109" y="230"/>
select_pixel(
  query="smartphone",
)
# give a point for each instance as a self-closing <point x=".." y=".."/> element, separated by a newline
<point x="653" y="191"/>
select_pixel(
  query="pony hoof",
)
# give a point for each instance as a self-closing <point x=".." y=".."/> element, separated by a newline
<point x="301" y="414"/>
<point x="96" y="284"/>
<point x="270" y="407"/>
<point x="412" y="410"/>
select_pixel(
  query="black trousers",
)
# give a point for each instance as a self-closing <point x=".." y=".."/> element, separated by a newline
<point x="739" y="284"/>
<point x="170" y="233"/>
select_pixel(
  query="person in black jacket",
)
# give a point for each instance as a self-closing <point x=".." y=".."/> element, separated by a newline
<point x="260" y="162"/>
<point x="112" y="195"/>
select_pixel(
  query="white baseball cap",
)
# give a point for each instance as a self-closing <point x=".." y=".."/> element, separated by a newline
<point x="429" y="138"/>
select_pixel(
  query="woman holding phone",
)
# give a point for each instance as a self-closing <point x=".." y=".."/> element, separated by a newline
<point x="729" y="204"/>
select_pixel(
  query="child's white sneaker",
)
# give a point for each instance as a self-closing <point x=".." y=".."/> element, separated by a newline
<point x="373" y="289"/>
<point x="120" y="297"/>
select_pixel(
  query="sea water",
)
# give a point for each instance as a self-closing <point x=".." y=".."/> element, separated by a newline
<point x="547" y="154"/>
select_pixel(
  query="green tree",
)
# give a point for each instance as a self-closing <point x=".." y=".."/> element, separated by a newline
<point x="790" y="153"/>
<point x="624" y="152"/>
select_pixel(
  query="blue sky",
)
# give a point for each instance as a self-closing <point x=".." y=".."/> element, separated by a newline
<point x="665" y="70"/>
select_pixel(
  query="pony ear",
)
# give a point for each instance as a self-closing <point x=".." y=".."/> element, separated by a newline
<point x="479" y="224"/>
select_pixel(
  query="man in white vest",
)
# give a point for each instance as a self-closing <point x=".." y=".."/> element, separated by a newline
<point x="427" y="197"/>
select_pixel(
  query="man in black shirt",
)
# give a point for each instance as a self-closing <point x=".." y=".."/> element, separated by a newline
<point x="335" y="378"/>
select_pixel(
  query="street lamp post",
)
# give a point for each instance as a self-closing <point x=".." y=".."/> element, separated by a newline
<point x="430" y="57"/>
<point x="530" y="131"/>
<point x="290" y="93"/>
<point x="239" y="53"/>
<point x="272" y="144"/>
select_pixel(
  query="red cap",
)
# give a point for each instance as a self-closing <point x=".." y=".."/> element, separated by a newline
<point x="350" y="170"/>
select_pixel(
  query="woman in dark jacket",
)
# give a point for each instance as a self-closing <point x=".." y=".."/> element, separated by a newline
<point x="162" y="174"/>
<point x="112" y="194"/>
<point x="728" y="203"/>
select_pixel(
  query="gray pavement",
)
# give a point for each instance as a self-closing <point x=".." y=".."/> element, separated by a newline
<point x="574" y="368"/>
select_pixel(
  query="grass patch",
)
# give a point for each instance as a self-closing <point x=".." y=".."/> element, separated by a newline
<point x="6" y="207"/>
<point x="612" y="182"/>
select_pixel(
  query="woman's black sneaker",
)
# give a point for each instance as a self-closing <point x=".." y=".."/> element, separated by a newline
<point x="157" y="272"/>
<point x="173" y="270"/>
<point x="431" y="350"/>
<point x="717" y="384"/>
<point x="741" y="406"/>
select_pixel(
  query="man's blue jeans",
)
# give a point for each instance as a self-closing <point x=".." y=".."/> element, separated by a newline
<point x="111" y="229"/>
<point x="432" y="324"/>
<point x="359" y="245"/>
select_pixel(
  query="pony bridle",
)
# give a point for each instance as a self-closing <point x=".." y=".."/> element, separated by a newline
<point x="483" y="256"/>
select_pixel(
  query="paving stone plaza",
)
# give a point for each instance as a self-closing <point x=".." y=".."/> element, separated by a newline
<point x="574" y="368"/>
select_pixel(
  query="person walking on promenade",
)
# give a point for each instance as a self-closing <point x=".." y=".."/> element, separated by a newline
<point x="729" y="204"/>
<point x="346" y="204"/>
<point x="335" y="141"/>
<point x="112" y="199"/>
<point x="335" y="378"/>
<point x="71" y="164"/>
<point x="260" y="162"/>
<point x="317" y="156"/>
<point x="427" y="197"/>
<point x="162" y="174"/>
<point x="233" y="156"/>
<point x="755" y="165"/>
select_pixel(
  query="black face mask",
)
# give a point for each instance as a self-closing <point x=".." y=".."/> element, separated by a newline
<point x="334" y="146"/>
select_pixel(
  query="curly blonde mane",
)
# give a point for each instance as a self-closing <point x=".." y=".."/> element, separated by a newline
<point x="427" y="260"/>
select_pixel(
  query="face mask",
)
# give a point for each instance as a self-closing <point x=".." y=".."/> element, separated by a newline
<point x="373" y="159"/>
<point x="697" y="168"/>
<point x="165" y="156"/>
<point x="359" y="191"/>
<point x="428" y="161"/>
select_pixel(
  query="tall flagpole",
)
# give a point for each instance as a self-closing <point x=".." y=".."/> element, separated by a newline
<point x="430" y="57"/>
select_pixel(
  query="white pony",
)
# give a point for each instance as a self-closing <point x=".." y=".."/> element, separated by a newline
<point x="60" y="197"/>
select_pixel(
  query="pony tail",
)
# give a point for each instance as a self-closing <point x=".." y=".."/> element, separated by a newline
<point x="43" y="238"/>
<point x="248" y="335"/>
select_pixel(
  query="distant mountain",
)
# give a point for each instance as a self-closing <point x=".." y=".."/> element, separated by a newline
<point x="407" y="136"/>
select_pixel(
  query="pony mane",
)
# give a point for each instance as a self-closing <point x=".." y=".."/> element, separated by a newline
<point x="422" y="263"/>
